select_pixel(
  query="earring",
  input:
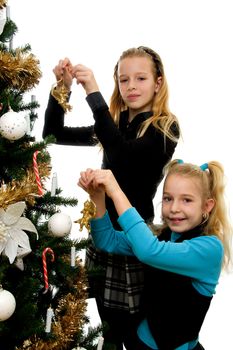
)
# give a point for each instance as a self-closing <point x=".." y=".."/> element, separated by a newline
<point x="205" y="217"/>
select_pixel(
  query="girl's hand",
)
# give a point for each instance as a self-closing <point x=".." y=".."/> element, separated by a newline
<point x="63" y="73"/>
<point x="85" y="77"/>
<point x="105" y="179"/>
<point x="97" y="194"/>
<point x="87" y="184"/>
<point x="96" y="182"/>
<point x="85" y="180"/>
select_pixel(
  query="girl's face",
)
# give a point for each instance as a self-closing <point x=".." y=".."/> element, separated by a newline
<point x="137" y="84"/>
<point x="182" y="204"/>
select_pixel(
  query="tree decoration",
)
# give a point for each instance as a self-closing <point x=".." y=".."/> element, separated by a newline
<point x="61" y="94"/>
<point x="13" y="125"/>
<point x="23" y="275"/>
<point x="12" y="235"/>
<point x="72" y="256"/>
<point x="26" y="189"/>
<point x="2" y="24"/>
<point x="45" y="271"/>
<point x="89" y="211"/>
<point x="100" y="343"/>
<point x="21" y="253"/>
<point x="7" y="304"/>
<point x="3" y="3"/>
<point x="59" y="225"/>
<point x="49" y="317"/>
<point x="20" y="71"/>
<point x="54" y="184"/>
<point x="35" y="167"/>
<point x="68" y="319"/>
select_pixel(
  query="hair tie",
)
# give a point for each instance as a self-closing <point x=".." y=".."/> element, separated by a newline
<point x="204" y="166"/>
<point x="180" y="161"/>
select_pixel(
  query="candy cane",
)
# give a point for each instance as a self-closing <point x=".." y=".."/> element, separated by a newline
<point x="36" y="171"/>
<point x="46" y="250"/>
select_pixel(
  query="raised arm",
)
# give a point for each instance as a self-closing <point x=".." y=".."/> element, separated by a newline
<point x="54" y="122"/>
<point x="86" y="78"/>
<point x="100" y="181"/>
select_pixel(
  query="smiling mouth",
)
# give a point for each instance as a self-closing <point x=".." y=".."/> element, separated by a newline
<point x="176" y="220"/>
<point x="132" y="97"/>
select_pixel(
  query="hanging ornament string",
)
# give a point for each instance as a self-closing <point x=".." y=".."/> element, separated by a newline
<point x="45" y="251"/>
<point x="36" y="171"/>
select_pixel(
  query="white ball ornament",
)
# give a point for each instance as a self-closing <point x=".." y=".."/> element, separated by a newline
<point x="7" y="304"/>
<point x="13" y="125"/>
<point x="59" y="225"/>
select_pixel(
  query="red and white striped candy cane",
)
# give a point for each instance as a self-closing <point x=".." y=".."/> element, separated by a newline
<point x="45" y="251"/>
<point x="36" y="171"/>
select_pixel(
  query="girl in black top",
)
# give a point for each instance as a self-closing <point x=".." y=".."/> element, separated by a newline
<point x="138" y="135"/>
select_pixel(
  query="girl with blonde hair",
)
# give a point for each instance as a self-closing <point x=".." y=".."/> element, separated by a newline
<point x="182" y="261"/>
<point x="138" y="135"/>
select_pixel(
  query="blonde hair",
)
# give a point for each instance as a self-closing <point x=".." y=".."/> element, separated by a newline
<point x="212" y="180"/>
<point x="162" y="118"/>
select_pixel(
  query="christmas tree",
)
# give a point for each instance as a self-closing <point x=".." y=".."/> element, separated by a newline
<point x="43" y="287"/>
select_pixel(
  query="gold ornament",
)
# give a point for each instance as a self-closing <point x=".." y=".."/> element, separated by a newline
<point x="61" y="94"/>
<point x="26" y="189"/>
<point x="3" y="4"/>
<point x="19" y="71"/>
<point x="89" y="212"/>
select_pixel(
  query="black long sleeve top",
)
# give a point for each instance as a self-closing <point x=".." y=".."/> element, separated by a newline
<point x="137" y="163"/>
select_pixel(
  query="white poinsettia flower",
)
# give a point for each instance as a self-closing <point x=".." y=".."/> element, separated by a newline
<point x="12" y="226"/>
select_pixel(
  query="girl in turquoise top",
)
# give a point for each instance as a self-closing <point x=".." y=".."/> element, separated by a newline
<point x="185" y="256"/>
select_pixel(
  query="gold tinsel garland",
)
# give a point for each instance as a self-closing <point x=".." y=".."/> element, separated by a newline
<point x="20" y="71"/>
<point x="3" y="3"/>
<point x="69" y="319"/>
<point x="24" y="190"/>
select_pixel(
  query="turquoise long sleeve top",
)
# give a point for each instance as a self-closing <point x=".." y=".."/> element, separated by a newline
<point x="199" y="258"/>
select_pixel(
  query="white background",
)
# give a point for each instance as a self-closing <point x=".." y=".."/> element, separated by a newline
<point x="194" y="40"/>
